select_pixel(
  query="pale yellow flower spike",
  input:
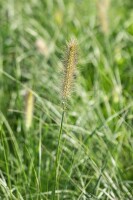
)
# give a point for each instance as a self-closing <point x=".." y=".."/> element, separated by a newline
<point x="103" y="8"/>
<point x="69" y="69"/>
<point x="29" y="104"/>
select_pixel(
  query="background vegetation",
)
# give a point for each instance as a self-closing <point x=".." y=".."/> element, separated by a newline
<point x="97" y="143"/>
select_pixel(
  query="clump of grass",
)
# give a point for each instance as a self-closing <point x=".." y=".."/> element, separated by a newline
<point x="70" y="62"/>
<point x="29" y="106"/>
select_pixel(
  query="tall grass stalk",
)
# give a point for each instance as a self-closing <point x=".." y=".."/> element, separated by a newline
<point x="70" y="62"/>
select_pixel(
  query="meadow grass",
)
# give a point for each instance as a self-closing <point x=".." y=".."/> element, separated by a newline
<point x="96" y="159"/>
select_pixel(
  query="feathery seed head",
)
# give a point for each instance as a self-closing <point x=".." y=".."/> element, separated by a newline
<point x="29" y="104"/>
<point x="69" y="69"/>
<point x="103" y="7"/>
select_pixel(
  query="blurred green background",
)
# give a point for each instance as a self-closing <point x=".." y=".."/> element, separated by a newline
<point x="97" y="143"/>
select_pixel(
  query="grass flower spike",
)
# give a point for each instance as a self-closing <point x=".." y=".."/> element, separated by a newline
<point x="70" y="62"/>
<point x="103" y="8"/>
<point x="29" y="103"/>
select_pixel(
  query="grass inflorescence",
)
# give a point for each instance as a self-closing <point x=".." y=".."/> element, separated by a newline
<point x="70" y="61"/>
<point x="69" y="70"/>
<point x="29" y="107"/>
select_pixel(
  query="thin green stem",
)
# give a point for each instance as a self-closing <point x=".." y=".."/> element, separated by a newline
<point x="58" y="154"/>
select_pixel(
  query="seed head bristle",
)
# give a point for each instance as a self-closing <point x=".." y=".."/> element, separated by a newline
<point x="69" y="69"/>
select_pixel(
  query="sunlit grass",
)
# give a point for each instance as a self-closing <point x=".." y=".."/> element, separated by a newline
<point x="97" y="146"/>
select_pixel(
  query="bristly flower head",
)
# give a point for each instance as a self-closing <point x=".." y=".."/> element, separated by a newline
<point x="103" y="8"/>
<point x="70" y="62"/>
<point x="29" y="106"/>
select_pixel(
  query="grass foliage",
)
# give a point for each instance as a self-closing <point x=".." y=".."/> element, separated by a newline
<point x="97" y="140"/>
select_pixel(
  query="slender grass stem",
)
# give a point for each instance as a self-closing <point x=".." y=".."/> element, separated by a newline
<point x="58" y="154"/>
